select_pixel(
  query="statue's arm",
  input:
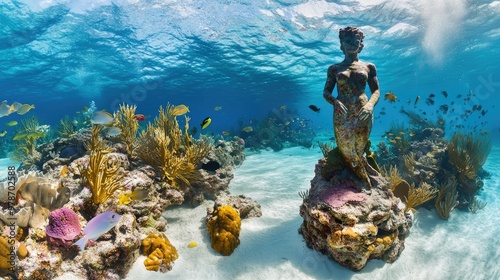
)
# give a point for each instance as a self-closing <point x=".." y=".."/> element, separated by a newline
<point x="329" y="85"/>
<point x="373" y="84"/>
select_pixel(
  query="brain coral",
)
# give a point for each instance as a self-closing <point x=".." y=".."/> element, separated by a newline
<point x="63" y="224"/>
<point x="224" y="229"/>
<point x="161" y="253"/>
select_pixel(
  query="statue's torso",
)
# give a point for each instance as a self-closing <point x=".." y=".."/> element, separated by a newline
<point x="351" y="82"/>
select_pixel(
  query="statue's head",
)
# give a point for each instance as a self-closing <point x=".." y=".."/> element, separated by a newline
<point x="351" y="38"/>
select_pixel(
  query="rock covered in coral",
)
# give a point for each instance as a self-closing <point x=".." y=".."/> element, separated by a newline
<point x="161" y="253"/>
<point x="224" y="227"/>
<point x="63" y="227"/>
<point x="353" y="226"/>
<point x="215" y="171"/>
<point x="246" y="206"/>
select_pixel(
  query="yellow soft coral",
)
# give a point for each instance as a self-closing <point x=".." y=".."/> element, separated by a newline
<point x="224" y="229"/>
<point x="173" y="152"/>
<point x="161" y="253"/>
<point x="102" y="171"/>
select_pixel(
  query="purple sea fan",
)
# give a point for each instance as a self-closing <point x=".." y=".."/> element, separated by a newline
<point x="63" y="225"/>
<point x="337" y="196"/>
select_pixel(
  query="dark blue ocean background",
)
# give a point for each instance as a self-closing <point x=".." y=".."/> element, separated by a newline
<point x="249" y="57"/>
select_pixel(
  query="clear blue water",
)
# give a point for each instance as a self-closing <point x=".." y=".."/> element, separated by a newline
<point x="245" y="56"/>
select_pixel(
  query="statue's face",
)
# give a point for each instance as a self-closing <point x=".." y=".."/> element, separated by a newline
<point x="351" y="44"/>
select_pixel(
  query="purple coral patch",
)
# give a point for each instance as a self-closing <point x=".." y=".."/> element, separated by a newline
<point x="337" y="196"/>
<point x="63" y="224"/>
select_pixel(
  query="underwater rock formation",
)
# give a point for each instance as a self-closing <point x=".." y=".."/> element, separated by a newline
<point x="246" y="206"/>
<point x="350" y="225"/>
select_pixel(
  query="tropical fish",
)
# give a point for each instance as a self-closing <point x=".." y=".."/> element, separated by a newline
<point x="412" y="134"/>
<point x="408" y="101"/>
<point x="139" y="117"/>
<point x="224" y="132"/>
<point x="138" y="194"/>
<point x="25" y="109"/>
<point x="314" y="108"/>
<point x="282" y="107"/>
<point x="20" y="136"/>
<point x="2" y="134"/>
<point x="247" y="129"/>
<point x="96" y="227"/>
<point x="217" y="108"/>
<point x="206" y="122"/>
<point x="113" y="131"/>
<point x="14" y="107"/>
<point x="444" y="93"/>
<point x="444" y="108"/>
<point x="416" y="101"/>
<point x="180" y="110"/>
<point x="431" y="95"/>
<point x="11" y="123"/>
<point x="4" y="109"/>
<point x="70" y="151"/>
<point x="429" y="101"/>
<point x="102" y="117"/>
<point x="391" y="97"/>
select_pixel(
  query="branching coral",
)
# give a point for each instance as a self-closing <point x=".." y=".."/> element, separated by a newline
<point x="417" y="196"/>
<point x="65" y="128"/>
<point x="125" y="120"/>
<point x="173" y="153"/>
<point x="224" y="229"/>
<point x="325" y="148"/>
<point x="26" y="141"/>
<point x="161" y="253"/>
<point x="468" y="153"/>
<point x="102" y="171"/>
<point x="446" y="199"/>
<point x="409" y="162"/>
<point x="393" y="176"/>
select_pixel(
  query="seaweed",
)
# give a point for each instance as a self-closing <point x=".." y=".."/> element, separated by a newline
<point x="65" y="129"/>
<point x="468" y="153"/>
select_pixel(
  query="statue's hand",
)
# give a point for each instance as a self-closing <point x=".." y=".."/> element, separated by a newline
<point x="366" y="112"/>
<point x="339" y="107"/>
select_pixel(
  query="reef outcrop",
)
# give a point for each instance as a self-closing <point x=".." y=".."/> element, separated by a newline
<point x="351" y="225"/>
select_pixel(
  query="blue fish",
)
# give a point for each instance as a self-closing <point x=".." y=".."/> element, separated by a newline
<point x="98" y="226"/>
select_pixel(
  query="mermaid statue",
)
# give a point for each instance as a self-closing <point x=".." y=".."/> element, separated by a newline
<point x="353" y="111"/>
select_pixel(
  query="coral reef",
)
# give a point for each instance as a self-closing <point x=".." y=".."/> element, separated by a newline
<point x="161" y="253"/>
<point x="26" y="140"/>
<point x="171" y="151"/>
<point x="224" y="227"/>
<point x="353" y="226"/>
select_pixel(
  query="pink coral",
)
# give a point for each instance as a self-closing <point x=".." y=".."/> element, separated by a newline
<point x="337" y="196"/>
<point x="63" y="224"/>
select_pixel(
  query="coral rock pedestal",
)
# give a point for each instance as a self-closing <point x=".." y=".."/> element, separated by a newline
<point x="353" y="226"/>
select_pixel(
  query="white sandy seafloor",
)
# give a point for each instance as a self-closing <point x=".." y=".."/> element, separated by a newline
<point x="466" y="246"/>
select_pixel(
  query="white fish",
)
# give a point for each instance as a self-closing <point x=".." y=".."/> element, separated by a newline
<point x="4" y="109"/>
<point x="98" y="226"/>
<point x="113" y="131"/>
<point x="102" y="117"/>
